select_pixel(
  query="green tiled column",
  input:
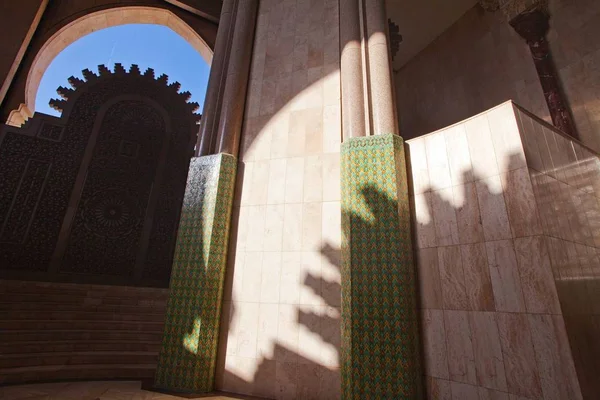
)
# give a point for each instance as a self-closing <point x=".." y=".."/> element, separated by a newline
<point x="380" y="349"/>
<point x="189" y="349"/>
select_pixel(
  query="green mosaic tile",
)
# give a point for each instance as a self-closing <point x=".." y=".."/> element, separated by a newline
<point x="380" y="343"/>
<point x="189" y="349"/>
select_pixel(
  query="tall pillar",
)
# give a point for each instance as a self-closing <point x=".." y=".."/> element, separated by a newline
<point x="384" y="117"/>
<point x="351" y="70"/>
<point x="368" y="103"/>
<point x="533" y="25"/>
<point x="380" y="347"/>
<point x="216" y="81"/>
<point x="236" y="83"/>
<point x="188" y="354"/>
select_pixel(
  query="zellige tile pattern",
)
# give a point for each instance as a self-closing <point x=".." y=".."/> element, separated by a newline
<point x="188" y="354"/>
<point x="380" y="357"/>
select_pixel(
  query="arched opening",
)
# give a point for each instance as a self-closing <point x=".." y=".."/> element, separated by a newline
<point x="146" y="45"/>
<point x="91" y="23"/>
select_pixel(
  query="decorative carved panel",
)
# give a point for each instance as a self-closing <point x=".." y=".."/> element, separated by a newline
<point x="106" y="231"/>
<point x="25" y="201"/>
<point x="97" y="192"/>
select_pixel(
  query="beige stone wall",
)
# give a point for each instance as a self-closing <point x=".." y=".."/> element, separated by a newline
<point x="566" y="182"/>
<point x="492" y="323"/>
<point x="280" y="330"/>
<point x="480" y="61"/>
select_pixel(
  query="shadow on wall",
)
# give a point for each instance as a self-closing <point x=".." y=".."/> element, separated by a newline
<point x="493" y="292"/>
<point x="285" y="373"/>
<point x="293" y="110"/>
<point x="494" y="287"/>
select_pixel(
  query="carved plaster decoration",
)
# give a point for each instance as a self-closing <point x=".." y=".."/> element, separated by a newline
<point x="395" y="37"/>
<point x="512" y="8"/>
<point x="105" y="181"/>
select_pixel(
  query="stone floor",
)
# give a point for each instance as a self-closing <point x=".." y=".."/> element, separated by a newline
<point x="104" y="390"/>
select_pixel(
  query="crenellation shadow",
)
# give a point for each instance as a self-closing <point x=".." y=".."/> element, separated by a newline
<point x="556" y="210"/>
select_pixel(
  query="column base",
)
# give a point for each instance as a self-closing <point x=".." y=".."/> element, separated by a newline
<point x="380" y="346"/>
<point x="189" y="349"/>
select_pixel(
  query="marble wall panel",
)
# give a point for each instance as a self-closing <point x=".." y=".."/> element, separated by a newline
<point x="497" y="260"/>
<point x="283" y="330"/>
<point x="564" y="181"/>
<point x="480" y="61"/>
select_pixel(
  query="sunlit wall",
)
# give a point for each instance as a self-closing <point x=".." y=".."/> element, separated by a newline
<point x="280" y="330"/>
<point x="495" y="218"/>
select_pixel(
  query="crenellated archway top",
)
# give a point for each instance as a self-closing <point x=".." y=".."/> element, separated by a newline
<point x="100" y="20"/>
<point x="69" y="95"/>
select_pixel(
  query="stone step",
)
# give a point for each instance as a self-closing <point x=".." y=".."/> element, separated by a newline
<point x="76" y="372"/>
<point x="21" y="347"/>
<point x="79" y="316"/>
<point x="78" y="335"/>
<point x="77" y="358"/>
<point x="81" y="300"/>
<point x="39" y="325"/>
<point x="108" y="308"/>
<point x="56" y="331"/>
<point x="98" y="291"/>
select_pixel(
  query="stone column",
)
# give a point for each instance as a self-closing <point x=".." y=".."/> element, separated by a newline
<point x="533" y="25"/>
<point x="351" y="71"/>
<point x="384" y="118"/>
<point x="216" y="81"/>
<point x="380" y="347"/>
<point x="236" y="83"/>
<point x="368" y="104"/>
<point x="188" y="355"/>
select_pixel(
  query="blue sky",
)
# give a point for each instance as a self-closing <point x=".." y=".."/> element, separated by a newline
<point x="154" y="46"/>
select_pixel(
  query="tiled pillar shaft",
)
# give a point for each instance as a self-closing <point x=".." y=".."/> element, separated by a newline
<point x="216" y="81"/>
<point x="380" y="351"/>
<point x="189" y="350"/>
<point x="380" y="356"/>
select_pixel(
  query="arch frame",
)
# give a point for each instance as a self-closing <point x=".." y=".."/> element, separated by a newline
<point x="103" y="19"/>
<point x="61" y="24"/>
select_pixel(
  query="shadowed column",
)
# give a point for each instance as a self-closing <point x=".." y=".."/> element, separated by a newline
<point x="188" y="355"/>
<point x="236" y="84"/>
<point x="216" y="81"/>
